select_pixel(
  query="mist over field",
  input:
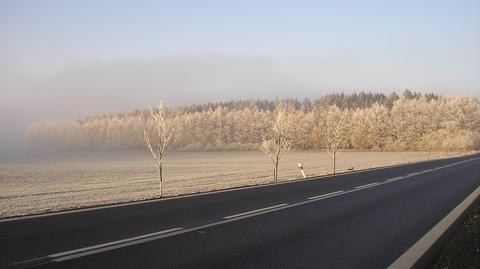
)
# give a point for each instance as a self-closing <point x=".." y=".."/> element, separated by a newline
<point x="63" y="61"/>
<point x="123" y="86"/>
<point x="271" y="79"/>
<point x="239" y="134"/>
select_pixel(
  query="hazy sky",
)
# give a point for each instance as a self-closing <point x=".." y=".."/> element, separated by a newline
<point x="67" y="59"/>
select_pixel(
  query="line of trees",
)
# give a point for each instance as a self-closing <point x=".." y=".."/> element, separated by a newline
<point x="369" y="121"/>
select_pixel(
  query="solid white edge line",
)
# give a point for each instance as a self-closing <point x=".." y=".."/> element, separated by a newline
<point x="183" y="231"/>
<point x="367" y="185"/>
<point x="413" y="255"/>
<point x="254" y="211"/>
<point x="325" y="195"/>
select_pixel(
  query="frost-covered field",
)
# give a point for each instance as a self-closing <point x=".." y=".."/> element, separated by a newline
<point x="37" y="184"/>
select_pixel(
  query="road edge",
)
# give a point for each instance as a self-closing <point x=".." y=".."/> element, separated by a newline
<point x="425" y="250"/>
<point x="260" y="185"/>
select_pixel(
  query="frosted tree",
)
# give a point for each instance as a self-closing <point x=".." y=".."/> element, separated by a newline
<point x="278" y="141"/>
<point x="461" y="120"/>
<point x="378" y="119"/>
<point x="432" y="141"/>
<point x="360" y="128"/>
<point x="318" y="122"/>
<point x="161" y="134"/>
<point x="302" y="129"/>
<point x="377" y="122"/>
<point x="335" y="133"/>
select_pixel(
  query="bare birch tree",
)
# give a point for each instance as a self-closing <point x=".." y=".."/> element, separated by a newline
<point x="161" y="135"/>
<point x="336" y="123"/>
<point x="279" y="140"/>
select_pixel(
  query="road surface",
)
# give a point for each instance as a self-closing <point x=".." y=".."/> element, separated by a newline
<point x="356" y="220"/>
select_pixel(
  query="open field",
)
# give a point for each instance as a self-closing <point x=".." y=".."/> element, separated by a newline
<point x="38" y="185"/>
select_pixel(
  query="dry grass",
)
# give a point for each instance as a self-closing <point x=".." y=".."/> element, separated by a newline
<point x="52" y="184"/>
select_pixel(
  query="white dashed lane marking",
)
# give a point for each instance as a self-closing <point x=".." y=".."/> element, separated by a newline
<point x="325" y="195"/>
<point x="254" y="211"/>
<point x="367" y="185"/>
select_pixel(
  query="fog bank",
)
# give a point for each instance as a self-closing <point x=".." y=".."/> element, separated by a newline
<point x="88" y="88"/>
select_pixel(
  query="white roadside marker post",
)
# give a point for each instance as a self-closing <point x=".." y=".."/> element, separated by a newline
<point x="301" y="170"/>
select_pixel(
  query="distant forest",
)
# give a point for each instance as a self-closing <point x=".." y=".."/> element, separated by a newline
<point x="376" y="121"/>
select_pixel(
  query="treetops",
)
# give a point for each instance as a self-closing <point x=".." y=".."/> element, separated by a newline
<point x="376" y="121"/>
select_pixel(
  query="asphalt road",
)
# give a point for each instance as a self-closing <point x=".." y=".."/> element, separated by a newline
<point x="356" y="220"/>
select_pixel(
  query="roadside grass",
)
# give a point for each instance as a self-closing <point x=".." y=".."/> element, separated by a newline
<point x="463" y="249"/>
<point x="64" y="182"/>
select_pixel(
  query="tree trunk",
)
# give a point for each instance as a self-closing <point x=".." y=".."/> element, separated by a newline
<point x="275" y="178"/>
<point x="334" y="162"/>
<point x="160" y="175"/>
<point x="276" y="168"/>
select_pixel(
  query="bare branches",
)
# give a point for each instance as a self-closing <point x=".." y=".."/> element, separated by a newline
<point x="336" y="121"/>
<point x="274" y="149"/>
<point x="279" y="139"/>
<point x="161" y="134"/>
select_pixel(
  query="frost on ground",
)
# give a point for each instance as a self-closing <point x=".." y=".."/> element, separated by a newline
<point x="67" y="182"/>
